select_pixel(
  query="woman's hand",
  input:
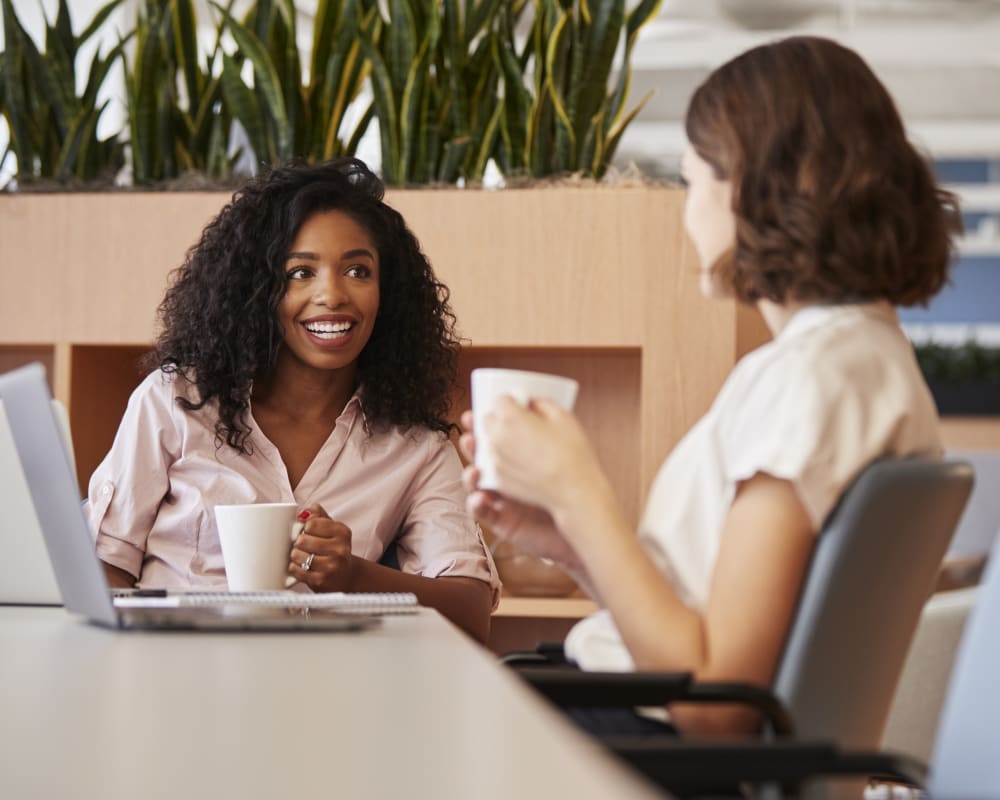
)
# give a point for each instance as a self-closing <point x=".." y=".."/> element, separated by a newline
<point x="543" y="458"/>
<point x="527" y="527"/>
<point x="325" y="546"/>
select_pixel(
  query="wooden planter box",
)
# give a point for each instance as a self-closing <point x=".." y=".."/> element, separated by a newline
<point x="597" y="283"/>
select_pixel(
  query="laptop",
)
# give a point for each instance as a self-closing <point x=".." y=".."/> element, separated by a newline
<point x="26" y="576"/>
<point x="52" y="492"/>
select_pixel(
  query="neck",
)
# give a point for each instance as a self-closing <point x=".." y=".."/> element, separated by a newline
<point x="777" y="315"/>
<point x="300" y="391"/>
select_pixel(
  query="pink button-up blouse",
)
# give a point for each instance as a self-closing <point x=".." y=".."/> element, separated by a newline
<point x="151" y="501"/>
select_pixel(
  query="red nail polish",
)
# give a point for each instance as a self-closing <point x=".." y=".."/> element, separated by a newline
<point x="304" y="515"/>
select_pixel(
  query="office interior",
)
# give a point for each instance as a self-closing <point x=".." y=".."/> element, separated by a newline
<point x="940" y="60"/>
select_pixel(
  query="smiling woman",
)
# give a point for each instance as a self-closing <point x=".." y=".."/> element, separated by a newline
<point x="306" y="355"/>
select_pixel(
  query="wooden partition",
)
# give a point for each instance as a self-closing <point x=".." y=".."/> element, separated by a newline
<point x="596" y="283"/>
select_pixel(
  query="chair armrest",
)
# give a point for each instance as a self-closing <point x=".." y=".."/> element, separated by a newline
<point x="687" y="767"/>
<point x="550" y="653"/>
<point x="571" y="687"/>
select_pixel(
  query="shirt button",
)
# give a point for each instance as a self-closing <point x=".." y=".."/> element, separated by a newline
<point x="106" y="489"/>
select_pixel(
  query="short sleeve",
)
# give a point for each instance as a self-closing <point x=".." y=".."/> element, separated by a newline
<point x="797" y="423"/>
<point x="127" y="488"/>
<point x="438" y="538"/>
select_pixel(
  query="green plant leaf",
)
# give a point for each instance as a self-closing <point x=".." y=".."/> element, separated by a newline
<point x="143" y="101"/>
<point x="401" y="44"/>
<point x="326" y="24"/>
<point x="565" y="145"/>
<point x="614" y="135"/>
<point x="97" y="23"/>
<point x="245" y="108"/>
<point x="411" y="102"/>
<point x="599" y="46"/>
<point x="516" y="103"/>
<point x="100" y="66"/>
<point x="455" y="53"/>
<point x="63" y="30"/>
<point x="359" y="130"/>
<point x="640" y="15"/>
<point x="454" y="154"/>
<point x="330" y="94"/>
<point x="82" y="133"/>
<point x="53" y="75"/>
<point x="266" y="80"/>
<point x="385" y="111"/>
<point x="486" y="144"/>
<point x="186" y="47"/>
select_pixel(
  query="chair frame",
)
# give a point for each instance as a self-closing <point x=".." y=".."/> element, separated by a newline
<point x="847" y="567"/>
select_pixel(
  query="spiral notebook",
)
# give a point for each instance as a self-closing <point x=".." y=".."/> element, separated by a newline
<point x="341" y="602"/>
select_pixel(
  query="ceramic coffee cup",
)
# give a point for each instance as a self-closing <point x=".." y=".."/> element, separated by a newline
<point x="490" y="384"/>
<point x="256" y="541"/>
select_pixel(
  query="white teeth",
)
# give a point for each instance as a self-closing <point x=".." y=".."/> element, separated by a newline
<point x="328" y="330"/>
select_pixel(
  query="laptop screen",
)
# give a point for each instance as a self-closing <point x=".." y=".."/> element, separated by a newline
<point x="50" y="479"/>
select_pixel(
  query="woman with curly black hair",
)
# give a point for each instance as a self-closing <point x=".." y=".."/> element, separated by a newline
<point x="306" y="355"/>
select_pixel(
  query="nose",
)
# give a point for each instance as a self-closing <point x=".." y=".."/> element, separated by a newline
<point x="328" y="289"/>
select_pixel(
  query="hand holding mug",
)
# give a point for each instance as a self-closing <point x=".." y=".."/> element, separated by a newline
<point x="321" y="553"/>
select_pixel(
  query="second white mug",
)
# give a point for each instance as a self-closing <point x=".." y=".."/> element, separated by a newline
<point x="491" y="383"/>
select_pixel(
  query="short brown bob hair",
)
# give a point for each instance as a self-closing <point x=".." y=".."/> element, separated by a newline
<point x="832" y="202"/>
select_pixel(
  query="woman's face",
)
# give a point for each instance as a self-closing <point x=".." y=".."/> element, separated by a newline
<point x="332" y="297"/>
<point x="708" y="219"/>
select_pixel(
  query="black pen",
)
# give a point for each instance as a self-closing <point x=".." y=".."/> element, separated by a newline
<point x="144" y="593"/>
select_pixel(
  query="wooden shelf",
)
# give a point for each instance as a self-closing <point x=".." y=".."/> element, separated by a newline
<point x="522" y="622"/>
<point x="971" y="433"/>
<point x="546" y="607"/>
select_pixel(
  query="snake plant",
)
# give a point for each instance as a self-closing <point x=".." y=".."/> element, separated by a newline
<point x="435" y="83"/>
<point x="53" y="126"/>
<point x="285" y="113"/>
<point x="177" y="123"/>
<point x="452" y="84"/>
<point x="559" y="112"/>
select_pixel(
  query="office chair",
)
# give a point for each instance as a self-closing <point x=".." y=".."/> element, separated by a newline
<point x="874" y="565"/>
<point x="964" y="764"/>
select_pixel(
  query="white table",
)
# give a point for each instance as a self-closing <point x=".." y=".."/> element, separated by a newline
<point x="409" y="710"/>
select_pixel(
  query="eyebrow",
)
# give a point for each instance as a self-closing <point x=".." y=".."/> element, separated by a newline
<point x="357" y="253"/>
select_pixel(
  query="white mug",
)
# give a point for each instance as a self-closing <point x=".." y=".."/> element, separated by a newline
<point x="490" y="384"/>
<point x="256" y="541"/>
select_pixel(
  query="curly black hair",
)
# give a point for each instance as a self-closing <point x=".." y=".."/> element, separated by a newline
<point x="219" y="318"/>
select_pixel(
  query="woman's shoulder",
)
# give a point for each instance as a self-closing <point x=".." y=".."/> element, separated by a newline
<point x="164" y="387"/>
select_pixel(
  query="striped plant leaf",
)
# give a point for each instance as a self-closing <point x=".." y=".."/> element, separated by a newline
<point x="244" y="107"/>
<point x="48" y="118"/>
<point x="184" y="28"/>
<point x="266" y="81"/>
<point x="574" y="121"/>
<point x="385" y="111"/>
<point x="639" y="16"/>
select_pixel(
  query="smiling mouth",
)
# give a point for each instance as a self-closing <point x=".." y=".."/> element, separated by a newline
<point x="329" y="330"/>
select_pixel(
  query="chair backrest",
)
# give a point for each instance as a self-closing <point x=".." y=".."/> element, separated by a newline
<point x="965" y="764"/>
<point x="873" y="568"/>
<point x="979" y="525"/>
